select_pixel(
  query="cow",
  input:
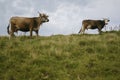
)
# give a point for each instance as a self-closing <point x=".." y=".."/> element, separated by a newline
<point x="26" y="24"/>
<point x="93" y="24"/>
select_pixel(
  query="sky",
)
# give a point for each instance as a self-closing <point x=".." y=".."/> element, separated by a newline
<point x="65" y="15"/>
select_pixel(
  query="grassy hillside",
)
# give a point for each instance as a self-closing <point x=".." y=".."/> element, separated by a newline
<point x="59" y="57"/>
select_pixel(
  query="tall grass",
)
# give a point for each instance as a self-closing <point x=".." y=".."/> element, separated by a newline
<point x="59" y="57"/>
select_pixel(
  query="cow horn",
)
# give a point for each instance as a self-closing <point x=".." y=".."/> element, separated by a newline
<point x="105" y="18"/>
<point x="41" y="14"/>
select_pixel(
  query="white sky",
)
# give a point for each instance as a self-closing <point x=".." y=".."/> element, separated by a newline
<point x="65" y="15"/>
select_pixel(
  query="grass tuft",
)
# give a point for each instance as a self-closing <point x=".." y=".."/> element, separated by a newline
<point x="60" y="57"/>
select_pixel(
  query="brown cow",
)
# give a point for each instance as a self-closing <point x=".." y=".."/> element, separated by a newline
<point x="93" y="24"/>
<point x="26" y="24"/>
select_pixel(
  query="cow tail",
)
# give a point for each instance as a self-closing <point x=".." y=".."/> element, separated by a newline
<point x="80" y="30"/>
<point x="8" y="29"/>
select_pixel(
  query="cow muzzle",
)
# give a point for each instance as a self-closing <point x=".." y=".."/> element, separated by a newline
<point x="106" y="23"/>
<point x="47" y="20"/>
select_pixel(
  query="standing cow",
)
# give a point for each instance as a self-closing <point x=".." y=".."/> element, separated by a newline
<point x="93" y="24"/>
<point x="26" y="24"/>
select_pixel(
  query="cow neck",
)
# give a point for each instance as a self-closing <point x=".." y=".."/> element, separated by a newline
<point x="39" y="21"/>
<point x="104" y="22"/>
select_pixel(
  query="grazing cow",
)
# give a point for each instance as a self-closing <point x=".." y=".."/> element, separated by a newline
<point x="26" y="24"/>
<point x="93" y="24"/>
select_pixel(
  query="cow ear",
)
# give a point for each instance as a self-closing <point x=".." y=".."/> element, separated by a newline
<point x="39" y="14"/>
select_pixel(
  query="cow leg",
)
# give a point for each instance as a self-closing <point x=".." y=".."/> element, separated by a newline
<point x="99" y="29"/>
<point x="12" y="30"/>
<point x="31" y="32"/>
<point x="11" y="34"/>
<point x="82" y="29"/>
<point x="36" y="33"/>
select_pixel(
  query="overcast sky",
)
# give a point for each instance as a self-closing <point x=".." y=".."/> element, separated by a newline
<point x="65" y="15"/>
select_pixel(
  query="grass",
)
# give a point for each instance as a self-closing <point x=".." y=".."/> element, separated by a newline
<point x="59" y="57"/>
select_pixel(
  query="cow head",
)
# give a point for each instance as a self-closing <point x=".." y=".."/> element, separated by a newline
<point x="106" y="20"/>
<point x="44" y="17"/>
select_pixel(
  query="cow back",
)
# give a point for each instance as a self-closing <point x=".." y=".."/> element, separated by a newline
<point x="93" y="23"/>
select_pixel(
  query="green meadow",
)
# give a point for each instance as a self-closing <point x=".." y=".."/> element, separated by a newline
<point x="61" y="57"/>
